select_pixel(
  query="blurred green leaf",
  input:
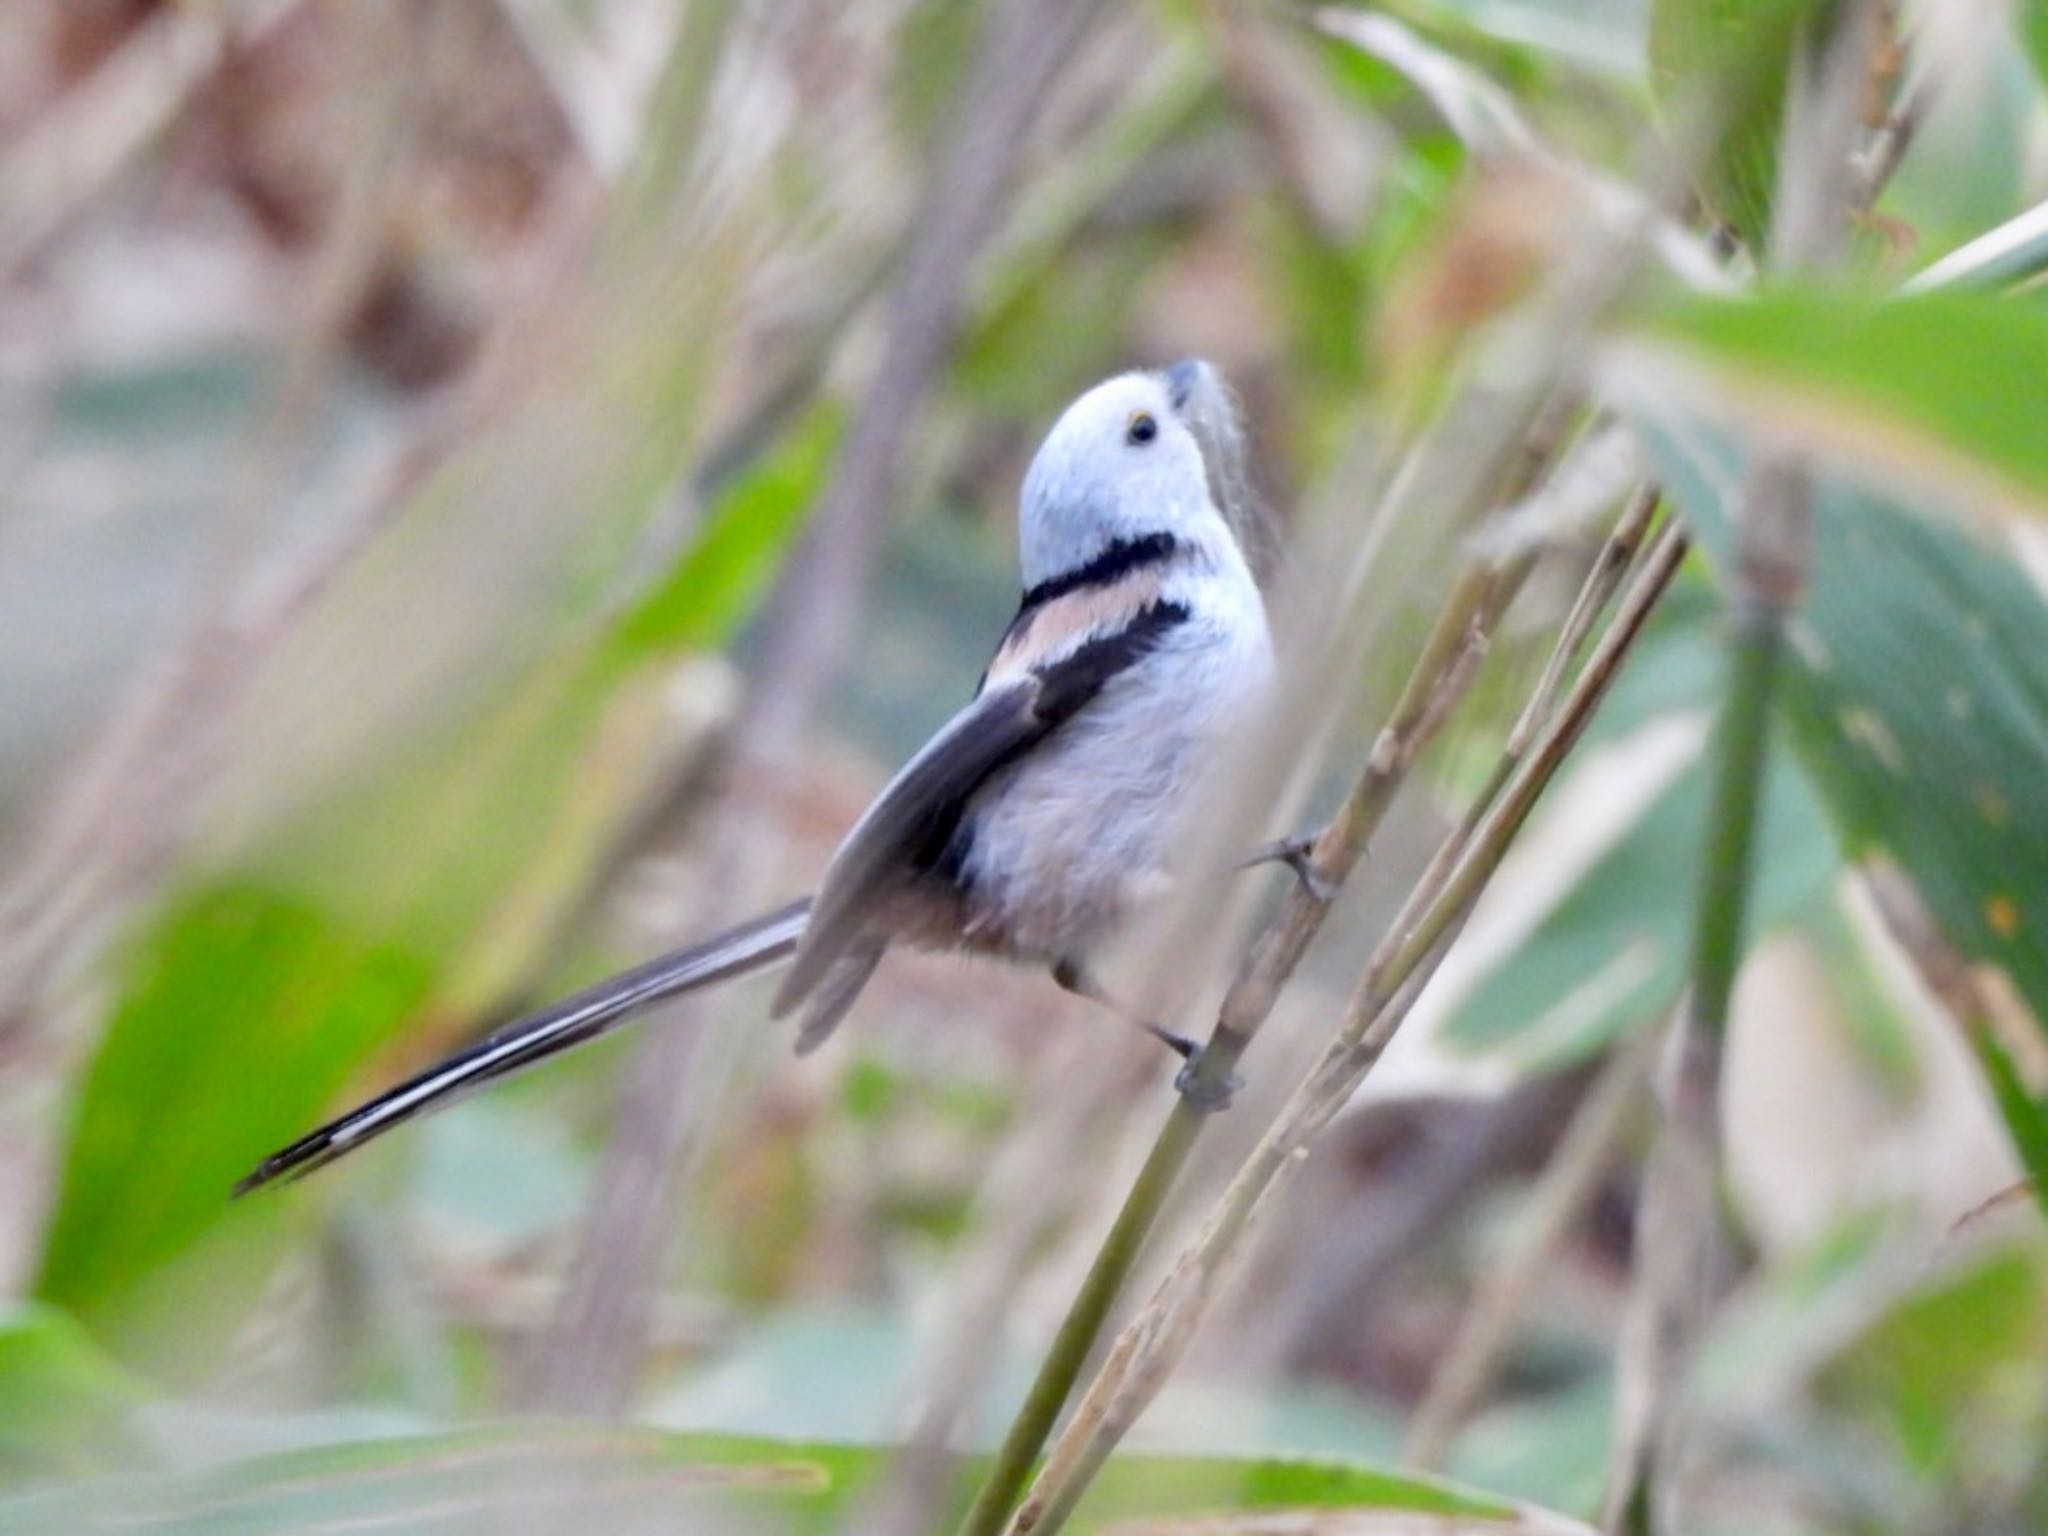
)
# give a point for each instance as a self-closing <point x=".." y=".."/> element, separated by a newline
<point x="1612" y="953"/>
<point x="611" y="1478"/>
<point x="65" y="1408"/>
<point x="2025" y="1115"/>
<point x="1152" y="1487"/>
<point x="2033" y="25"/>
<point x="1952" y="1369"/>
<point x="872" y="1090"/>
<point x="735" y="552"/>
<point x="248" y="1003"/>
<point x="242" y="1011"/>
<point x="1946" y="388"/>
<point x="1918" y="704"/>
<point x="1733" y="57"/>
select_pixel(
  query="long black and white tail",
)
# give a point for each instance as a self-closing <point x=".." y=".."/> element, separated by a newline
<point x="590" y="1013"/>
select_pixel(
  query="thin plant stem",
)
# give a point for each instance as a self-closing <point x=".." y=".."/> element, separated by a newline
<point x="1676" y="1237"/>
<point x="1479" y="598"/>
<point x="1084" y="1321"/>
<point x="1609" y="567"/>
<point x="1740" y="751"/>
<point x="1818" y="186"/>
<point x="1026" y="1209"/>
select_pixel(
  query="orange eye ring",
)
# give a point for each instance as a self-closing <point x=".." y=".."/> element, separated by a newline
<point x="1142" y="429"/>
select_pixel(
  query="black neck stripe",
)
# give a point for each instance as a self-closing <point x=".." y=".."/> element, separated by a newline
<point x="1120" y="558"/>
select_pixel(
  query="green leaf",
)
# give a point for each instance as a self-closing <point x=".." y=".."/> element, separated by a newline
<point x="249" y="1002"/>
<point x="65" y="1409"/>
<point x="1918" y="705"/>
<point x="242" y="1011"/>
<point x="410" y="896"/>
<point x="1952" y="1370"/>
<point x="1612" y="953"/>
<point x="2033" y="24"/>
<point x="1943" y="392"/>
<point x="2025" y="1116"/>
<point x="745" y="531"/>
<point x="610" y="1477"/>
<point x="1153" y="1487"/>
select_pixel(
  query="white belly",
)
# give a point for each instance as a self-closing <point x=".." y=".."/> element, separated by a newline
<point x="1064" y="842"/>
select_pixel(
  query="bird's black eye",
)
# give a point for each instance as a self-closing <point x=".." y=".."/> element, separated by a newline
<point x="1142" y="428"/>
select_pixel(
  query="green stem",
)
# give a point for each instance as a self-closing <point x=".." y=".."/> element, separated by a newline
<point x="1086" y="1317"/>
<point x="1742" y="739"/>
<point x="1678" y="1212"/>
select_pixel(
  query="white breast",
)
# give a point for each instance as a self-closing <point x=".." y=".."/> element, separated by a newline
<point x="1065" y="840"/>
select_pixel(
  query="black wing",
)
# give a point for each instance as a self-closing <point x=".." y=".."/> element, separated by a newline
<point x="905" y="830"/>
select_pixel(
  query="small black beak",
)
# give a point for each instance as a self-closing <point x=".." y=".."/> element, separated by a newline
<point x="1181" y="380"/>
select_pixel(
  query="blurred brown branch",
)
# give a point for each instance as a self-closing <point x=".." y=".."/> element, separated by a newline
<point x="101" y="130"/>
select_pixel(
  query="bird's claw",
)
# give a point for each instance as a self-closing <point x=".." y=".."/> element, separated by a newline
<point x="1297" y="854"/>
<point x="1203" y="1096"/>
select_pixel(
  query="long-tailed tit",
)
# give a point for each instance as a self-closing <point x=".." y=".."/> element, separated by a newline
<point x="1034" y="821"/>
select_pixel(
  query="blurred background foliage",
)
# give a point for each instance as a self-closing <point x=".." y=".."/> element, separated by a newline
<point x="427" y="421"/>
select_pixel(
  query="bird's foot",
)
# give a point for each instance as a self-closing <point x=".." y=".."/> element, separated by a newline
<point x="1204" y="1096"/>
<point x="1297" y="854"/>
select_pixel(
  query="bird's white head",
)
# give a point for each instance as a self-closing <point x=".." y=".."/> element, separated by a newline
<point x="1122" y="463"/>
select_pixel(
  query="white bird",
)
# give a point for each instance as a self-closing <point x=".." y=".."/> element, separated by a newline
<point x="1041" y="814"/>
